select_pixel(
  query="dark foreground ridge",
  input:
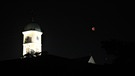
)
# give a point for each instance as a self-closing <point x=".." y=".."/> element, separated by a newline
<point x="50" y="65"/>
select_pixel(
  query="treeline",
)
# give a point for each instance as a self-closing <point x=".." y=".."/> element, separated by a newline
<point x="122" y="50"/>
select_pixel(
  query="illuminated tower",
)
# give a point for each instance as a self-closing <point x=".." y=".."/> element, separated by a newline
<point x="32" y="39"/>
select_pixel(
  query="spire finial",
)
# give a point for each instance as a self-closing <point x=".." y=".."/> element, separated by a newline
<point x="32" y="19"/>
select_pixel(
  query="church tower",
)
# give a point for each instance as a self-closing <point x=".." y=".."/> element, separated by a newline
<point x="32" y="44"/>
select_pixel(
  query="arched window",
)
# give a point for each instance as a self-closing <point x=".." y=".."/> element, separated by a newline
<point x="28" y="39"/>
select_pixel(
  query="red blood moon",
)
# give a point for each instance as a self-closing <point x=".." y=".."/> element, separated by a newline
<point x="93" y="28"/>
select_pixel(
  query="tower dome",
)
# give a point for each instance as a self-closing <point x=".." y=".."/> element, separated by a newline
<point x="32" y="26"/>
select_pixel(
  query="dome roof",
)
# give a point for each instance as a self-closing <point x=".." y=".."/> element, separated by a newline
<point x="32" y="26"/>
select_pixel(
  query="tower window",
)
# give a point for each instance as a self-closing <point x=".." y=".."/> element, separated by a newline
<point x="28" y="39"/>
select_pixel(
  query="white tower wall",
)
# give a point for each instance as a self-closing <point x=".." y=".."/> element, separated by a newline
<point x="31" y="41"/>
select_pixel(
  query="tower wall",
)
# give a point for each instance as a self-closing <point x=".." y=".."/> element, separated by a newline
<point x="32" y="41"/>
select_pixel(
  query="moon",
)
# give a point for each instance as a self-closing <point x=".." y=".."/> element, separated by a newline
<point x="93" y="28"/>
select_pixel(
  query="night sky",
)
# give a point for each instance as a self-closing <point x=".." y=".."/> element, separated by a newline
<point x="66" y="26"/>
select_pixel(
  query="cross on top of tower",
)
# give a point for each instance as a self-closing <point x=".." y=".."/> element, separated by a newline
<point x="32" y="19"/>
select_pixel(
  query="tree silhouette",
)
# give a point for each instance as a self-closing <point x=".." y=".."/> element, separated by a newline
<point x="121" y="49"/>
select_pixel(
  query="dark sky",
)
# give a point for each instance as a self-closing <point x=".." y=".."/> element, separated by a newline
<point x="66" y="26"/>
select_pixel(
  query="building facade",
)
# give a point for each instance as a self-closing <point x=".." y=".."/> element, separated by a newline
<point x="32" y="42"/>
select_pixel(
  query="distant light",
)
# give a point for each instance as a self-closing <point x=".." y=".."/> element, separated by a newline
<point x="93" y="28"/>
